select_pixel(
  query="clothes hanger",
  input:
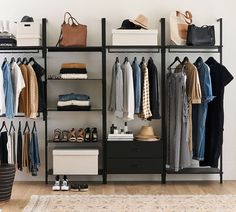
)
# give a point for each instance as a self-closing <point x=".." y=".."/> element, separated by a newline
<point x="117" y="60"/>
<point x="24" y="61"/>
<point x="12" y="127"/>
<point x="143" y="60"/>
<point x="176" y="59"/>
<point x="31" y="60"/>
<point x="126" y="60"/>
<point x="4" y="125"/>
<point x="135" y="59"/>
<point x="185" y="60"/>
<point x="34" y="127"/>
<point x="26" y="127"/>
<point x="12" y="60"/>
<point x="4" y="61"/>
<point x="18" y="60"/>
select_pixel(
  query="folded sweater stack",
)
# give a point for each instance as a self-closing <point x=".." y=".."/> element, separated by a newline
<point x="74" y="102"/>
<point x="73" y="71"/>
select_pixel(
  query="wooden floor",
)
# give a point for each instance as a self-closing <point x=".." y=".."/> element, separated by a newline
<point x="22" y="191"/>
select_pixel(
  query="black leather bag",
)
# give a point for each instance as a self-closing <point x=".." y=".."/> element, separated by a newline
<point x="201" y="36"/>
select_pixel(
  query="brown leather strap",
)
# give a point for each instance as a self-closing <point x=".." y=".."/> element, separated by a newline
<point x="59" y="39"/>
<point x="187" y="16"/>
<point x="65" y="17"/>
<point x="74" y="21"/>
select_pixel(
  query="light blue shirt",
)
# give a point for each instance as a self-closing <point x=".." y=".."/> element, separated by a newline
<point x="8" y="91"/>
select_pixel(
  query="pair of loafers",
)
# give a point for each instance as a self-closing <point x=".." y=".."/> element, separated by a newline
<point x="79" y="187"/>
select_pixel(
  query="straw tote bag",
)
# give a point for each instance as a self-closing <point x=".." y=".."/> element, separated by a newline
<point x="179" y="26"/>
<point x="73" y="34"/>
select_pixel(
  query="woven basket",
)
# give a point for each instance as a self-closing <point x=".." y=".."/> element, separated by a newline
<point x="7" y="175"/>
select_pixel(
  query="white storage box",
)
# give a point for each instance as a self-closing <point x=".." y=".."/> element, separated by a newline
<point x="75" y="162"/>
<point x="134" y="37"/>
<point x="28" y="28"/>
<point x="28" y="34"/>
<point x="28" y="41"/>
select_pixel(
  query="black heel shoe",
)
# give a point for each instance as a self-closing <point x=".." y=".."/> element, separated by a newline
<point x="87" y="135"/>
<point x="94" y="134"/>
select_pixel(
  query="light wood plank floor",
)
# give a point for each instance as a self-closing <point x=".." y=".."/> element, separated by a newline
<point x="22" y="191"/>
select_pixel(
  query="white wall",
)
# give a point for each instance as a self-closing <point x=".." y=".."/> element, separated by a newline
<point x="90" y="12"/>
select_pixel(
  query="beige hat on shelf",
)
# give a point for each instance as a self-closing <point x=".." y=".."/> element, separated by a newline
<point x="147" y="133"/>
<point x="141" y="20"/>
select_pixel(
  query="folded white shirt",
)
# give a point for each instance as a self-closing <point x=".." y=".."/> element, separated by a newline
<point x="73" y="102"/>
<point x="74" y="76"/>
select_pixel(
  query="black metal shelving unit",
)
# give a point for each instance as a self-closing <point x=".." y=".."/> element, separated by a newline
<point x="91" y="145"/>
<point x="142" y="168"/>
<point x="200" y="49"/>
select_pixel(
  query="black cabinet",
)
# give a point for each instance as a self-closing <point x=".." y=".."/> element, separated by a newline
<point x="137" y="157"/>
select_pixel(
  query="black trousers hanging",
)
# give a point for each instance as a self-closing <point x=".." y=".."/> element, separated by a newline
<point x="19" y="151"/>
<point x="3" y="148"/>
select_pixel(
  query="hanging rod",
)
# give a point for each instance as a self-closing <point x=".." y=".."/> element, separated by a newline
<point x="193" y="49"/>
<point x="133" y="49"/>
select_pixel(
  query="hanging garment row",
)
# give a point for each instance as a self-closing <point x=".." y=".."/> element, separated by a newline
<point x="21" y="88"/>
<point x="24" y="152"/>
<point x="134" y="89"/>
<point x="195" y="112"/>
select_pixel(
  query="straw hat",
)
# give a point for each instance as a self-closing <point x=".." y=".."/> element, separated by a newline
<point x="146" y="132"/>
<point x="141" y="20"/>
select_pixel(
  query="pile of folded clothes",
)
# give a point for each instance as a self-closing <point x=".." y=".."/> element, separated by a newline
<point x="73" y="102"/>
<point x="7" y="39"/>
<point x="120" y="137"/>
<point x="73" y="71"/>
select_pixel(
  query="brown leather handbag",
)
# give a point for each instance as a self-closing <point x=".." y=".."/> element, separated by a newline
<point x="72" y="34"/>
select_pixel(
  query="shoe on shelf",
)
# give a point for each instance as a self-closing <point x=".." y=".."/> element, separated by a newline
<point x="94" y="134"/>
<point x="72" y="136"/>
<point x="87" y="135"/>
<point x="64" y="135"/>
<point x="65" y="184"/>
<point x="83" y="187"/>
<point x="57" y="184"/>
<point x="74" y="187"/>
<point x="57" y="135"/>
<point x="80" y="135"/>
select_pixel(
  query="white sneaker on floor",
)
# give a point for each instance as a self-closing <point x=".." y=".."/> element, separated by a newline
<point x="56" y="186"/>
<point x="65" y="186"/>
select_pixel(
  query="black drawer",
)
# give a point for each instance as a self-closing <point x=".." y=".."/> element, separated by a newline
<point x="134" y="166"/>
<point x="135" y="149"/>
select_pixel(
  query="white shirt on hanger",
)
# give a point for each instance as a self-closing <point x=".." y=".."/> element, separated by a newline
<point x="18" y="84"/>
<point x="2" y="95"/>
<point x="128" y="91"/>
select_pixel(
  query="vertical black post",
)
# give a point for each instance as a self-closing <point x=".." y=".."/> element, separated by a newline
<point x="221" y="61"/>
<point x="44" y="52"/>
<point x="104" y="96"/>
<point x="163" y="99"/>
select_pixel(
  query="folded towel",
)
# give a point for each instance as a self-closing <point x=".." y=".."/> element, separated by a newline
<point x="74" y="76"/>
<point x="73" y="65"/>
<point x="73" y="102"/>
